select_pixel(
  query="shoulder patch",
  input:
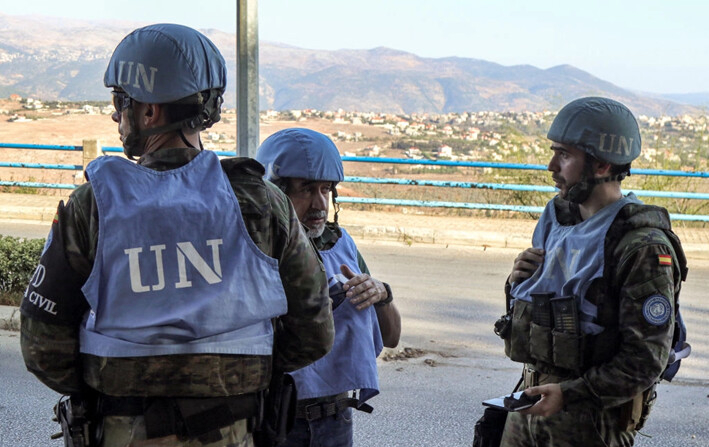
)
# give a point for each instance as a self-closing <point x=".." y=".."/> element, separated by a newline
<point x="657" y="310"/>
<point x="664" y="259"/>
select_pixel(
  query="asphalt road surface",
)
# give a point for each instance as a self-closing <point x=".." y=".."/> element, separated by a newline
<point x="449" y="360"/>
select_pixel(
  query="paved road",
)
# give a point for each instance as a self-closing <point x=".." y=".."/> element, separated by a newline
<point x="31" y="230"/>
<point x="448" y="298"/>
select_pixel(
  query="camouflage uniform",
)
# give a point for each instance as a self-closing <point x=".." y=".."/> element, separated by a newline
<point x="621" y="364"/>
<point x="50" y="343"/>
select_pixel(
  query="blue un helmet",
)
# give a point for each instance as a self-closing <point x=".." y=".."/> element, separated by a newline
<point x="301" y="153"/>
<point x="169" y="64"/>
<point x="603" y="128"/>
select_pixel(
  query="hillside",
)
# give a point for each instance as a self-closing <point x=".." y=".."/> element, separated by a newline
<point x="57" y="59"/>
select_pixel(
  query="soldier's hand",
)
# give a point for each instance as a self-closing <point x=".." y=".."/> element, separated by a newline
<point x="551" y="403"/>
<point x="362" y="290"/>
<point x="526" y="264"/>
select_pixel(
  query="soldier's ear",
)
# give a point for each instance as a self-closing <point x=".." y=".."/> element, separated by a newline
<point x="152" y="115"/>
<point x="601" y="168"/>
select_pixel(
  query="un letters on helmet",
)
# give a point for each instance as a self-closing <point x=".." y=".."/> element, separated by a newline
<point x="604" y="128"/>
<point x="164" y="63"/>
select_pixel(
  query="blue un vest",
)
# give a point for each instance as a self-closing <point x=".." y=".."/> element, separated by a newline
<point x="176" y="271"/>
<point x="352" y="362"/>
<point x="574" y="257"/>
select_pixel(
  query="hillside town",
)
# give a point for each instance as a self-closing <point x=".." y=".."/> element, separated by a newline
<point x="669" y="142"/>
<point x="678" y="142"/>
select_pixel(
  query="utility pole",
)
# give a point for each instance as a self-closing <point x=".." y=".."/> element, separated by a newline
<point x="247" y="95"/>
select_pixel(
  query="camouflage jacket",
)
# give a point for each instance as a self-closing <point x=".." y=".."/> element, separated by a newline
<point x="49" y="340"/>
<point x="629" y="356"/>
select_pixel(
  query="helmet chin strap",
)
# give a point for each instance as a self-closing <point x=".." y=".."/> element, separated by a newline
<point x="131" y="143"/>
<point x="335" y="205"/>
<point x="581" y="191"/>
<point x="132" y="146"/>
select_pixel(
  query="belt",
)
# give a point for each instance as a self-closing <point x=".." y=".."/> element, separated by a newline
<point x="182" y="416"/>
<point x="532" y="377"/>
<point x="329" y="406"/>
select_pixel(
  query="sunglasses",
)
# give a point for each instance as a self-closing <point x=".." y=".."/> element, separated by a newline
<point x="121" y="101"/>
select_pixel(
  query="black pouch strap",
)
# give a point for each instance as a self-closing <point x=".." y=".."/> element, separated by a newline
<point x="321" y="410"/>
<point x="184" y="417"/>
<point x="162" y="418"/>
<point x="120" y="406"/>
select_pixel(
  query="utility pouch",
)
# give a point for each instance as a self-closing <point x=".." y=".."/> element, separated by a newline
<point x="567" y="350"/>
<point x="540" y="340"/>
<point x="517" y="344"/>
<point x="503" y="326"/>
<point x="634" y="414"/>
<point x="488" y="429"/>
<point x="277" y="411"/>
<point x="540" y="343"/>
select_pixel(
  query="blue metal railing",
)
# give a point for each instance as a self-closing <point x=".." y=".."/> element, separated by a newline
<point x="408" y="182"/>
<point x="514" y="187"/>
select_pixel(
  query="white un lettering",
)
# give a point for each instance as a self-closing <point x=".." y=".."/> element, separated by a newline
<point x="184" y="251"/>
<point x="126" y="72"/>
<point x="568" y="265"/>
<point x="616" y="143"/>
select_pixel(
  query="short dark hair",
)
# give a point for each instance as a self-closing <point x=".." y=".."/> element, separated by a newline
<point x="621" y="171"/>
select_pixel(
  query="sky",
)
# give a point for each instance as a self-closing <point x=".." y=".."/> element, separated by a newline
<point x="657" y="46"/>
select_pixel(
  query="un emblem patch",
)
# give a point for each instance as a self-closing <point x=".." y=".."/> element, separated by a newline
<point x="657" y="310"/>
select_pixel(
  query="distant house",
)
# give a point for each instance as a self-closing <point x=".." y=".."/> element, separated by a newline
<point x="371" y="151"/>
<point x="414" y="152"/>
<point x="444" y="151"/>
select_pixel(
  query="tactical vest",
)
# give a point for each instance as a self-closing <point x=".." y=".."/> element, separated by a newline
<point x="176" y="271"/>
<point x="573" y="259"/>
<point x="352" y="362"/>
<point x="569" y="355"/>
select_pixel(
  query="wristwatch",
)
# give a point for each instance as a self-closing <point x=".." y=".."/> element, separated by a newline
<point x="389" y="297"/>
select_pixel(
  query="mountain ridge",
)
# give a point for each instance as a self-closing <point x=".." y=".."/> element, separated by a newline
<point x="58" y="59"/>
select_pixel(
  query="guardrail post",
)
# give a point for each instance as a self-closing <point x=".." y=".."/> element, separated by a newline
<point x="91" y="151"/>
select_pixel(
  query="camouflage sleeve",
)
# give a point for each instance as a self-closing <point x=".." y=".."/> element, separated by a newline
<point x="646" y="281"/>
<point x="52" y="309"/>
<point x="51" y="353"/>
<point x="307" y="331"/>
<point x="361" y="264"/>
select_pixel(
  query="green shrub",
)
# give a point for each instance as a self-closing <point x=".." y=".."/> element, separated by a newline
<point x="18" y="259"/>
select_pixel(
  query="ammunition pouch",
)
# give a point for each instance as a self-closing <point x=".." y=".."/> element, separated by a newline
<point x="547" y="331"/>
<point x="634" y="414"/>
<point x="277" y="416"/>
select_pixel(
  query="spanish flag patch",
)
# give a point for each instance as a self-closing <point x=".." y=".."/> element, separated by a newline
<point x="665" y="259"/>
